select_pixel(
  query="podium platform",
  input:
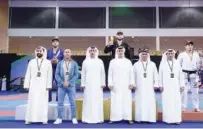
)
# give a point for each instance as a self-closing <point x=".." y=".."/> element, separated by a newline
<point x="187" y="116"/>
<point x="52" y="112"/>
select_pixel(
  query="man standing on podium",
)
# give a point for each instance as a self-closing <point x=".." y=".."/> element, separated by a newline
<point x="66" y="76"/>
<point x="146" y="80"/>
<point x="120" y="82"/>
<point x="55" y="54"/>
<point x="38" y="80"/>
<point x="189" y="61"/>
<point x="93" y="82"/>
<point x="171" y="82"/>
<point x="113" y="44"/>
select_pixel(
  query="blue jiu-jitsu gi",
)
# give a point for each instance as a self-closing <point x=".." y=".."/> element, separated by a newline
<point x="58" y="55"/>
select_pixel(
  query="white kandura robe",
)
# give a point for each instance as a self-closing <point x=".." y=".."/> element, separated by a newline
<point x="145" y="110"/>
<point x="171" y="96"/>
<point x="120" y="76"/>
<point x="37" y="107"/>
<point x="93" y="77"/>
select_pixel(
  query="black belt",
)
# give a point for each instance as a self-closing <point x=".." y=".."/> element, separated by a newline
<point x="188" y="73"/>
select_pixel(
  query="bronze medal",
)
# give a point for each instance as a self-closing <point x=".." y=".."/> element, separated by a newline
<point x="145" y="75"/>
<point x="38" y="74"/>
<point x="172" y="75"/>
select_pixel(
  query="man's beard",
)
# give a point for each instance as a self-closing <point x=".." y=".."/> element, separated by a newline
<point x="120" y="56"/>
<point x="170" y="58"/>
<point x="67" y="57"/>
<point x="39" y="55"/>
<point x="92" y="56"/>
<point x="144" y="59"/>
<point x="55" y="46"/>
<point x="190" y="50"/>
<point x="119" y="39"/>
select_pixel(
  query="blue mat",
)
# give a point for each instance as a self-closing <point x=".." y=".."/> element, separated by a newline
<point x="68" y="124"/>
<point x="5" y="93"/>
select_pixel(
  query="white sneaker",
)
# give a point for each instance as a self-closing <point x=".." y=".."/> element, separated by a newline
<point x="74" y="121"/>
<point x="27" y="122"/>
<point x="44" y="123"/>
<point x="58" y="121"/>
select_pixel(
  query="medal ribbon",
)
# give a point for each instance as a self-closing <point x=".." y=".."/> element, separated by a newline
<point x="39" y="66"/>
<point x="145" y="68"/>
<point x="170" y="66"/>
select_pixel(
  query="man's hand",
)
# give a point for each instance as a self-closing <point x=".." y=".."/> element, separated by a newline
<point x="110" y="87"/>
<point x="110" y="43"/>
<point x="181" y="89"/>
<point x="161" y="89"/>
<point x="66" y="84"/>
<point x="103" y="87"/>
<point x="54" y="61"/>
<point x="196" y="86"/>
<point x="48" y="88"/>
<point x="83" y="87"/>
<point x="131" y="87"/>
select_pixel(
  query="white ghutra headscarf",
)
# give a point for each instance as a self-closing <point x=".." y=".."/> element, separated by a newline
<point x="164" y="57"/>
<point x="88" y="52"/>
<point x="116" y="53"/>
<point x="44" y="52"/>
<point x="144" y="51"/>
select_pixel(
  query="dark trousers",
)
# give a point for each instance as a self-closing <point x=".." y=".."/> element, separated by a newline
<point x="50" y="92"/>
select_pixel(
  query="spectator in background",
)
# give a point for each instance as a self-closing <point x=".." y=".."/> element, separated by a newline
<point x="113" y="44"/>
<point x="200" y="51"/>
<point x="139" y="50"/>
<point x="200" y="68"/>
<point x="176" y="55"/>
<point x="55" y="54"/>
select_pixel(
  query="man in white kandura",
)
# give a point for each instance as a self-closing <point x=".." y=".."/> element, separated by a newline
<point x="38" y="80"/>
<point x="189" y="60"/>
<point x="93" y="82"/>
<point x="120" y="82"/>
<point x="171" y="82"/>
<point x="146" y="80"/>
